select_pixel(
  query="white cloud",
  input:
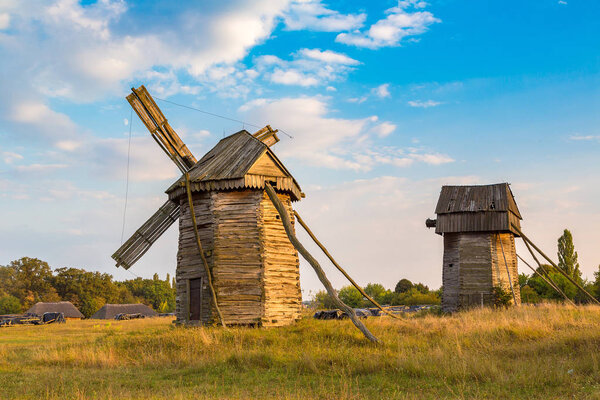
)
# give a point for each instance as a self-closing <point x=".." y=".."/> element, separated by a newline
<point x="293" y="77"/>
<point x="382" y="91"/>
<point x="323" y="140"/>
<point x="312" y="15"/>
<point x="328" y="56"/>
<point x="384" y="129"/>
<point x="587" y="138"/>
<point x="38" y="168"/>
<point x="390" y="31"/>
<point x="423" y="104"/>
<point x="308" y="67"/>
<point x="4" y="20"/>
<point x="562" y="2"/>
<point x="9" y="157"/>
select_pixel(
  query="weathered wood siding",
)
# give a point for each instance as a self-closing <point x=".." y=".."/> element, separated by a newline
<point x="500" y="276"/>
<point x="189" y="263"/>
<point x="473" y="264"/>
<point x="238" y="271"/>
<point x="255" y="268"/>
<point x="281" y="266"/>
<point x="450" y="272"/>
<point x="481" y="221"/>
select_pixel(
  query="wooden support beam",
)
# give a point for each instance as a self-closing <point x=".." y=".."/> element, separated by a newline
<point x="289" y="230"/>
<point x="556" y="267"/>
<point x="552" y="285"/>
<point x="314" y="238"/>
<point x="199" y="244"/>
<point x="545" y="273"/>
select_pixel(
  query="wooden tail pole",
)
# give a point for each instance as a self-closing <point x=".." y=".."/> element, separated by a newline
<point x="507" y="271"/>
<point x="552" y="285"/>
<point x="208" y="272"/>
<point x="546" y="274"/>
<point x="556" y="267"/>
<point x="285" y="219"/>
<point x="313" y="237"/>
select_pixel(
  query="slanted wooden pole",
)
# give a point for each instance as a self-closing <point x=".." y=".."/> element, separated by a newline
<point x="313" y="237"/>
<point x="289" y="230"/>
<point x="507" y="270"/>
<point x="199" y="244"/>
<point x="546" y="272"/>
<point x="556" y="267"/>
<point x="552" y="285"/>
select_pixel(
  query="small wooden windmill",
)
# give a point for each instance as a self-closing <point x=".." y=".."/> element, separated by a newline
<point x="238" y="255"/>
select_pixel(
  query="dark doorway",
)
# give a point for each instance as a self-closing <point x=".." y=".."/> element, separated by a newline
<point x="195" y="299"/>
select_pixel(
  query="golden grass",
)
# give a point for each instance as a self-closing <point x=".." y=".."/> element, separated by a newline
<point x="530" y="352"/>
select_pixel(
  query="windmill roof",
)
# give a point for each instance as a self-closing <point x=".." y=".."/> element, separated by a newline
<point x="475" y="198"/>
<point x="109" y="311"/>
<point x="230" y="161"/>
<point x="65" y="307"/>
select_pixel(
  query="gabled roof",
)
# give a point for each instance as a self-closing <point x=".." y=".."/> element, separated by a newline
<point x="65" y="307"/>
<point x="229" y="164"/>
<point x="109" y="311"/>
<point x="474" y="198"/>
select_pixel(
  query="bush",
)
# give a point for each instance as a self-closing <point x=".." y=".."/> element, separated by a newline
<point x="501" y="298"/>
<point x="10" y="304"/>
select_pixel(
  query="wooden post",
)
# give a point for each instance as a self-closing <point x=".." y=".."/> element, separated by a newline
<point x="507" y="271"/>
<point x="313" y="237"/>
<point x="285" y="219"/>
<point x="199" y="244"/>
<point x="525" y="238"/>
<point x="552" y="285"/>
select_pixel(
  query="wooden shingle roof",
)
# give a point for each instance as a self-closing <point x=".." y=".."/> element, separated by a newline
<point x="232" y="164"/>
<point x="477" y="198"/>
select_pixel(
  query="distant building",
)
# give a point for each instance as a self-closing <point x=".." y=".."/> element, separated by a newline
<point x="65" y="307"/>
<point x="479" y="243"/>
<point x="109" y="311"/>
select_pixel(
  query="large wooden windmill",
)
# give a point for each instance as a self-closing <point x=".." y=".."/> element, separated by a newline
<point x="238" y="254"/>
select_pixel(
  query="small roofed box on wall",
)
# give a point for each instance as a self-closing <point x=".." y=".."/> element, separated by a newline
<point x="479" y="244"/>
<point x="254" y="267"/>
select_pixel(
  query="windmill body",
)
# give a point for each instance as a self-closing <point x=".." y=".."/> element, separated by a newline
<point x="249" y="265"/>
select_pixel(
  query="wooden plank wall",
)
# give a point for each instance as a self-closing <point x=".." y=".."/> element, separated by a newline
<point x="499" y="273"/>
<point x="283" y="299"/>
<point x="238" y="271"/>
<point x="482" y="221"/>
<point x="475" y="269"/>
<point x="450" y="272"/>
<point x="189" y="263"/>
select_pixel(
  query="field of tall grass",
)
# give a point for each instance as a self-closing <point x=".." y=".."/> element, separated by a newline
<point x="549" y="352"/>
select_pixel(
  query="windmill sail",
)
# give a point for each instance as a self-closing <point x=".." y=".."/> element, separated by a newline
<point x="138" y="244"/>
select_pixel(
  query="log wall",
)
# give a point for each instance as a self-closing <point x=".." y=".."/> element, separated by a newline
<point x="281" y="266"/>
<point x="255" y="268"/>
<point x="473" y="264"/>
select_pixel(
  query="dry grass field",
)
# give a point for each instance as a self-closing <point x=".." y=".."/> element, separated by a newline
<point x="548" y="352"/>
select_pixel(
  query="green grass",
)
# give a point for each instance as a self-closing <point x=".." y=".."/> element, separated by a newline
<point x="549" y="352"/>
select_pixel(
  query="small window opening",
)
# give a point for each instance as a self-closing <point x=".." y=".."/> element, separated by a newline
<point x="450" y="265"/>
<point x="493" y="206"/>
<point x="277" y="216"/>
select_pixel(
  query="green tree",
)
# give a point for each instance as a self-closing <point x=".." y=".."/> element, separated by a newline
<point x="28" y="279"/>
<point x="596" y="283"/>
<point x="403" y="285"/>
<point x="567" y="256"/>
<point x="323" y="300"/>
<point x="152" y="292"/>
<point x="351" y="296"/>
<point x="378" y="293"/>
<point x="10" y="304"/>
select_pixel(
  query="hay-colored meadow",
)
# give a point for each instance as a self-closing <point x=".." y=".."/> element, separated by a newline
<point x="549" y="352"/>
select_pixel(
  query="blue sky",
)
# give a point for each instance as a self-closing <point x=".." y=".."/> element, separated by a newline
<point x="386" y="101"/>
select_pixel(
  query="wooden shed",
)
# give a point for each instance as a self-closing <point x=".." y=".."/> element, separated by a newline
<point x="254" y="267"/>
<point x="479" y="244"/>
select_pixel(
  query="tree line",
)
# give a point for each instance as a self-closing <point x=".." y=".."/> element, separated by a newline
<point x="27" y="281"/>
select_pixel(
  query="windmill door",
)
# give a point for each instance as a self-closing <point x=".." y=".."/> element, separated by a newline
<point x="195" y="299"/>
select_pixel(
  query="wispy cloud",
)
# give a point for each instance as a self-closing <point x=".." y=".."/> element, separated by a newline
<point x="313" y="15"/>
<point x="401" y="21"/>
<point x="587" y="138"/>
<point x="382" y="91"/>
<point x="423" y="104"/>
